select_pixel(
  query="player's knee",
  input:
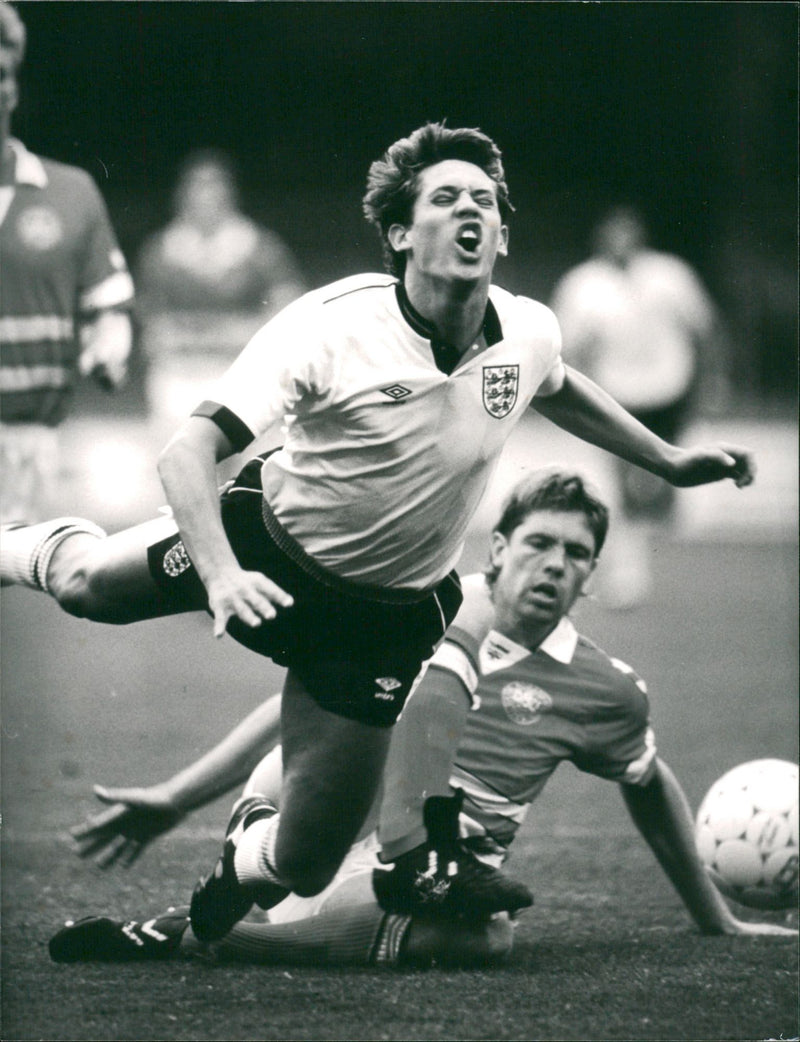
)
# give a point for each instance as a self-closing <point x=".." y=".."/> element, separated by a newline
<point x="69" y="579"/>
<point x="460" y="942"/>
<point x="79" y="583"/>
<point x="482" y="944"/>
<point x="309" y="858"/>
<point x="499" y="939"/>
<point x="305" y="879"/>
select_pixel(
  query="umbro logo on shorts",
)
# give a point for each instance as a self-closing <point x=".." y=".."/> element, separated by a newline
<point x="386" y="685"/>
<point x="396" y="391"/>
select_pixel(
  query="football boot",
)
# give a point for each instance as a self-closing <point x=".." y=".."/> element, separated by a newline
<point x="99" y="939"/>
<point x="219" y="901"/>
<point x="444" y="877"/>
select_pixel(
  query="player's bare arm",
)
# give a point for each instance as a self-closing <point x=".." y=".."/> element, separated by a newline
<point x="662" y="815"/>
<point x="581" y="407"/>
<point x="137" y="815"/>
<point x="188" y="470"/>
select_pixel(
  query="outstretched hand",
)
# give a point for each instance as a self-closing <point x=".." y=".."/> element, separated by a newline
<point x="705" y="464"/>
<point x="119" y="834"/>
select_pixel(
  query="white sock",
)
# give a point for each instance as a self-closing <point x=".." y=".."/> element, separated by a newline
<point x="254" y="860"/>
<point x="25" y="552"/>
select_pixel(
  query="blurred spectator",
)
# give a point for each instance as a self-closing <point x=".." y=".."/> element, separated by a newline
<point x="63" y="300"/>
<point x="641" y="324"/>
<point x="205" y="283"/>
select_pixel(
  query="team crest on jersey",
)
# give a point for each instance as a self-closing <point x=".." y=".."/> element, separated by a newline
<point x="176" y="560"/>
<point x="524" y="703"/>
<point x="40" y="228"/>
<point x="500" y="388"/>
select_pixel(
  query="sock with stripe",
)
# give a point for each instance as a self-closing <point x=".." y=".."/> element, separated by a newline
<point x="360" y="935"/>
<point x="254" y="860"/>
<point x="26" y="551"/>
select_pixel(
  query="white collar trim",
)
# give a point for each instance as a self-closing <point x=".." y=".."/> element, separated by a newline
<point x="559" y="645"/>
<point x="29" y="169"/>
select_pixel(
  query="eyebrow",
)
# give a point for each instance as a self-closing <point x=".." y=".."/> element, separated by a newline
<point x="486" y="189"/>
<point x="569" y="543"/>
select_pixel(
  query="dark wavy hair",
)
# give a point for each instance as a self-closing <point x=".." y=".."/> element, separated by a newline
<point x="392" y="181"/>
<point x="552" y="489"/>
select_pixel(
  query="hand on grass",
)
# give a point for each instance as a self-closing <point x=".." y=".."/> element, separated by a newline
<point x="133" y="819"/>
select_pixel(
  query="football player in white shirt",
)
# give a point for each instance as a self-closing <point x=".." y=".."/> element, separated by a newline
<point x="546" y="695"/>
<point x="337" y="559"/>
<point x="642" y="325"/>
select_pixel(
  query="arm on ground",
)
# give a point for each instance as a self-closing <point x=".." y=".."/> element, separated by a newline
<point x="662" y="815"/>
<point x="138" y="815"/>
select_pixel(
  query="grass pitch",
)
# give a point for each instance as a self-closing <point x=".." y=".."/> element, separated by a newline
<point x="607" y="952"/>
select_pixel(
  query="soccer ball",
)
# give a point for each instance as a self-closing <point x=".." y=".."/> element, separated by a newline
<point x="746" y="833"/>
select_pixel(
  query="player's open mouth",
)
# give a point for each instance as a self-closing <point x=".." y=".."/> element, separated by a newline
<point x="469" y="240"/>
<point x="545" y="592"/>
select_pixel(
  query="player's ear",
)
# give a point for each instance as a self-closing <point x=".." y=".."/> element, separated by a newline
<point x="497" y="549"/>
<point x="587" y="586"/>
<point x="398" y="237"/>
<point x="502" y="249"/>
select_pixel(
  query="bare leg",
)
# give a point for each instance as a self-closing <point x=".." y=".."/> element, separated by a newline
<point x="108" y="580"/>
<point x="332" y="771"/>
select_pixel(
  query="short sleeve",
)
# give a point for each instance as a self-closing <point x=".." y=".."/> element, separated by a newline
<point x="287" y="366"/>
<point x="105" y="281"/>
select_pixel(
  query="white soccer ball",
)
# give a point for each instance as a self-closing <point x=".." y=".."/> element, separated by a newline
<point x="746" y="834"/>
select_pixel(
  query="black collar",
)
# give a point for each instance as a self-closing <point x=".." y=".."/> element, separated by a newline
<point x="491" y="328"/>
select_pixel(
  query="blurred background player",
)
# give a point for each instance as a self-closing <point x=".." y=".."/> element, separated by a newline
<point x="546" y="695"/>
<point x="642" y="325"/>
<point x="205" y="283"/>
<point x="65" y="292"/>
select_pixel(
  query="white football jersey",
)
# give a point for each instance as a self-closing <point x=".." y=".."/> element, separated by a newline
<point x="386" y="456"/>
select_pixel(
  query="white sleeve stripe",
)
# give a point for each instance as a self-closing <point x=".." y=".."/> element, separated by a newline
<point x="116" y="290"/>
<point x="452" y="658"/>
<point x="638" y="771"/>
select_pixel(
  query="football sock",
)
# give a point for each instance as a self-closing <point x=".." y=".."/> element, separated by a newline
<point x="26" y="552"/>
<point x="254" y="860"/>
<point x="389" y="945"/>
<point x="360" y="935"/>
<point x="421" y="757"/>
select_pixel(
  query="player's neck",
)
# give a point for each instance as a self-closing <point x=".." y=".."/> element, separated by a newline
<point x="456" y="310"/>
<point x="8" y="159"/>
<point x="526" y="633"/>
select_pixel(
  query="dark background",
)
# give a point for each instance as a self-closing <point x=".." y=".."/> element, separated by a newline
<point x="689" y="109"/>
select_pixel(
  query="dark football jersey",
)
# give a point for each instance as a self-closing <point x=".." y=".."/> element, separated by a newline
<point x="567" y="700"/>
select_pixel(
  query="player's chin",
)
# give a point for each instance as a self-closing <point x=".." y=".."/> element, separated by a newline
<point x="543" y="609"/>
<point x="471" y="267"/>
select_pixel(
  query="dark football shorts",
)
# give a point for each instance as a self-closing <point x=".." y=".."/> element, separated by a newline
<point x="357" y="649"/>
